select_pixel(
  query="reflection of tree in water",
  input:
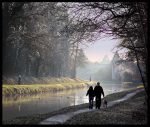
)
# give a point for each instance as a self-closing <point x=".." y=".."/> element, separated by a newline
<point x="19" y="108"/>
<point x="15" y="98"/>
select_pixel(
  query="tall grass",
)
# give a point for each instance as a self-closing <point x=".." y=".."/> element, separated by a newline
<point x="9" y="90"/>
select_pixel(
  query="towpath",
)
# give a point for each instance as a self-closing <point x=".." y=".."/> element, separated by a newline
<point x="60" y="119"/>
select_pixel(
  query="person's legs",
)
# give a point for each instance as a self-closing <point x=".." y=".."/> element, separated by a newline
<point x="99" y="102"/>
<point x="96" y="102"/>
<point x="91" y="103"/>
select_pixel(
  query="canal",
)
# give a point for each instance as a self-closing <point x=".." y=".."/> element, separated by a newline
<point x="17" y="106"/>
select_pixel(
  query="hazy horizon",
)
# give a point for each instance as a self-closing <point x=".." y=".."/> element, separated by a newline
<point x="95" y="52"/>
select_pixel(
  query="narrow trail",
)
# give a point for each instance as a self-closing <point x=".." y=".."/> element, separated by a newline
<point x="60" y="119"/>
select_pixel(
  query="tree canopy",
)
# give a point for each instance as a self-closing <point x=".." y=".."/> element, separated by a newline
<point x="42" y="38"/>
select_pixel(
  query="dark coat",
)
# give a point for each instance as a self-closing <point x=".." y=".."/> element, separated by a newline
<point x="90" y="92"/>
<point x="98" y="90"/>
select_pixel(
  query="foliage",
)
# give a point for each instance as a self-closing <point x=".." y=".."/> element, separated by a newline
<point x="127" y="76"/>
<point x="126" y="21"/>
<point x="43" y="37"/>
<point x="33" y="41"/>
<point x="82" y="60"/>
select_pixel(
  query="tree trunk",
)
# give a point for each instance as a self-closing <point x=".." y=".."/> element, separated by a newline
<point x="138" y="65"/>
<point x="37" y="67"/>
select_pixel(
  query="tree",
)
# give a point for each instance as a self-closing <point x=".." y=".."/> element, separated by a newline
<point x="81" y="58"/>
<point x="122" y="20"/>
<point x="32" y="39"/>
<point x="11" y="12"/>
<point x="127" y="77"/>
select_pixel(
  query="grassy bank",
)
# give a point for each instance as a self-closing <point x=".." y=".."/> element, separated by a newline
<point x="130" y="84"/>
<point x="12" y="80"/>
<point x="35" y="119"/>
<point x="53" y="85"/>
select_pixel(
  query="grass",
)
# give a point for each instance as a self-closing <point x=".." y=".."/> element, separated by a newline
<point x="130" y="84"/>
<point x="41" y="80"/>
<point x="140" y="86"/>
<point x="9" y="90"/>
<point x="121" y="94"/>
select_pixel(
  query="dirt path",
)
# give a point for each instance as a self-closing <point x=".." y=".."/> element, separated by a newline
<point x="60" y="119"/>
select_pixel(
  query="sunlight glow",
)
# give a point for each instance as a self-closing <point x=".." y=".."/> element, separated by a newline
<point x="100" y="48"/>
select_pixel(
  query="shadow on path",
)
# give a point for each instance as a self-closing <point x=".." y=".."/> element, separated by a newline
<point x="60" y="119"/>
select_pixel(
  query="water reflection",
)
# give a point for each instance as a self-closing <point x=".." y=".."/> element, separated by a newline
<point x="19" y="108"/>
<point x="46" y="102"/>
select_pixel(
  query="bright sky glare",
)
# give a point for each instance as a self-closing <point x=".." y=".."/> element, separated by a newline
<point x="96" y="51"/>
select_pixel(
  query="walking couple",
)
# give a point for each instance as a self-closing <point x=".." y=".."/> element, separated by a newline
<point x="98" y="90"/>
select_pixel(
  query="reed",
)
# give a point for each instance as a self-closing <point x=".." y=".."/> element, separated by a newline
<point x="9" y="90"/>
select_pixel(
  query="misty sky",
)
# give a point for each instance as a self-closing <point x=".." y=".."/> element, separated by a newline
<point x="96" y="51"/>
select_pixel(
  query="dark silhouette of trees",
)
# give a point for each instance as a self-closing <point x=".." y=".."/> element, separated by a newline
<point x="33" y="43"/>
<point x="43" y="38"/>
<point x="126" y="21"/>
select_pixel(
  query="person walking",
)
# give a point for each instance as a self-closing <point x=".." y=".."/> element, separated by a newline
<point x="90" y="92"/>
<point x="98" y="90"/>
<point x="19" y="79"/>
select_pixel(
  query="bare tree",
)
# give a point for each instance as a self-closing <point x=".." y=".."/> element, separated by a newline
<point x="122" y="20"/>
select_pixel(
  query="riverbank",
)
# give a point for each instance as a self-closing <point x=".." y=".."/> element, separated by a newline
<point x="35" y="119"/>
<point x="13" y="80"/>
<point x="51" y="86"/>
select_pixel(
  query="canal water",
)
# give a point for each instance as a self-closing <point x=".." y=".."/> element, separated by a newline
<point x="17" y="106"/>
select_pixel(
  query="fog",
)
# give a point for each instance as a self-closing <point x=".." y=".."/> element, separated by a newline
<point x="106" y="70"/>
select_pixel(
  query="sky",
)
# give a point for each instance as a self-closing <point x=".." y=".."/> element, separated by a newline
<point x="96" y="51"/>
